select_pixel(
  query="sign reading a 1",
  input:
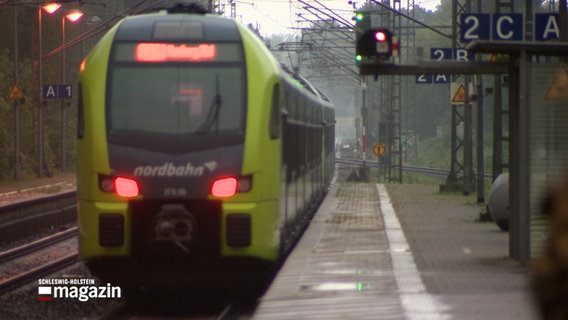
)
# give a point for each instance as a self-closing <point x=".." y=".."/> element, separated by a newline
<point x="58" y="91"/>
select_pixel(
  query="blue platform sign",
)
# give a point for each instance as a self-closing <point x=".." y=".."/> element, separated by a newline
<point x="441" y="78"/>
<point x="507" y="26"/>
<point x="58" y="91"/>
<point x="422" y="78"/>
<point x="546" y="27"/>
<point x="475" y="26"/>
<point x="439" y="54"/>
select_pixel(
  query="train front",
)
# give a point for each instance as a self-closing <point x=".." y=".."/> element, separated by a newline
<point x="169" y="169"/>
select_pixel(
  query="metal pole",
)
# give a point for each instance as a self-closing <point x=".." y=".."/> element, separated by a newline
<point x="16" y="108"/>
<point x="498" y="138"/>
<point x="479" y="151"/>
<point x="480" y="155"/>
<point x="467" y="137"/>
<point x="468" y="130"/>
<point x="522" y="166"/>
<point x="452" y="178"/>
<point x="364" y="114"/>
<point x="562" y="22"/>
<point x="519" y="150"/>
<point x="40" y="100"/>
<point x="63" y="164"/>
<point x="83" y="41"/>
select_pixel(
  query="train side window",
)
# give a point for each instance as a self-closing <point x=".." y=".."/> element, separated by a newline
<point x="274" y="128"/>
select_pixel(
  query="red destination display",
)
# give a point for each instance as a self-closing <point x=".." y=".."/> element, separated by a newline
<point x="169" y="52"/>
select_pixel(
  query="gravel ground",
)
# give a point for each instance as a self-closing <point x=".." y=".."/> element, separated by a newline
<point x="38" y="258"/>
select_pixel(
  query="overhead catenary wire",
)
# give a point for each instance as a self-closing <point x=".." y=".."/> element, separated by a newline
<point x="342" y="34"/>
<point x="412" y="19"/>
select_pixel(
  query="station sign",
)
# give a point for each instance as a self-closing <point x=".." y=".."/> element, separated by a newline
<point x="379" y="149"/>
<point x="57" y="91"/>
<point x="506" y="27"/>
<point x="546" y="27"/>
<point x="558" y="87"/>
<point x="457" y="93"/>
<point x="440" y="54"/>
<point x="16" y="93"/>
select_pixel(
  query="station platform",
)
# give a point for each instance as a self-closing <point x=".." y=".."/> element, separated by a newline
<point x="399" y="252"/>
<point x="28" y="188"/>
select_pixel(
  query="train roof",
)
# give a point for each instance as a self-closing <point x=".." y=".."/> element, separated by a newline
<point x="174" y="26"/>
<point x="305" y="83"/>
<point x="183" y="23"/>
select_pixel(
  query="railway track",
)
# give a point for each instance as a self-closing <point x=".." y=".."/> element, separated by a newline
<point x="424" y="170"/>
<point x="125" y="311"/>
<point x="22" y="219"/>
<point x="16" y="268"/>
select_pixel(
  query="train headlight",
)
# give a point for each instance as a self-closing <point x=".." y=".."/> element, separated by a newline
<point x="244" y="184"/>
<point x="121" y="186"/>
<point x="106" y="183"/>
<point x="229" y="186"/>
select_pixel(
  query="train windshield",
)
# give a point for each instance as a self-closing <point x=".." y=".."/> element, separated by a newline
<point x="160" y="93"/>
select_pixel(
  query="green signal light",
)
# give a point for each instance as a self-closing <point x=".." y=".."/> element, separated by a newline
<point x="359" y="17"/>
<point x="358" y="58"/>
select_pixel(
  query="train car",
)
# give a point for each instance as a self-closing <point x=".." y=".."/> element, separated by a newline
<point x="197" y="152"/>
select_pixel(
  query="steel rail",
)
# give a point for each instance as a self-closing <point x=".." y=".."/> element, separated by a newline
<point x="416" y="169"/>
<point x="23" y="278"/>
<point x="42" y="243"/>
<point x="21" y="219"/>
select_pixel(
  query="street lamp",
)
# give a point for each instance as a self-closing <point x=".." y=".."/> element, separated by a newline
<point x="74" y="16"/>
<point x="50" y="8"/>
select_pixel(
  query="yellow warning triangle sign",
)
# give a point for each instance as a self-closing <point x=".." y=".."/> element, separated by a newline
<point x="15" y="93"/>
<point x="558" y="86"/>
<point x="459" y="95"/>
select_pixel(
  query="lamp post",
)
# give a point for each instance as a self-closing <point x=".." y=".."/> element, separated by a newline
<point x="73" y="16"/>
<point x="50" y="8"/>
<point x="16" y="109"/>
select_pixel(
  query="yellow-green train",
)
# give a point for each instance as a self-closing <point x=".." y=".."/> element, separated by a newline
<point x="196" y="150"/>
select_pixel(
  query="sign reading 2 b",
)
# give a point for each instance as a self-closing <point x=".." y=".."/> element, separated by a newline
<point x="506" y="27"/>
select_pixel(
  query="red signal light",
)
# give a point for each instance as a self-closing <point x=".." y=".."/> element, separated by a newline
<point x="381" y="36"/>
<point x="224" y="187"/>
<point x="374" y="43"/>
<point x="126" y="188"/>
